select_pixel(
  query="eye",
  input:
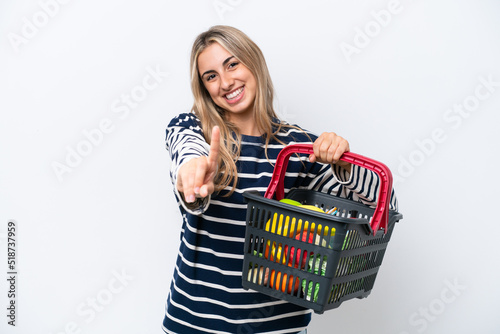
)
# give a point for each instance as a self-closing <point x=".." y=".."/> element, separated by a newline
<point x="233" y="64"/>
<point x="209" y="77"/>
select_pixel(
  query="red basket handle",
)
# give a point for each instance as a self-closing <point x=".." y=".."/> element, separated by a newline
<point x="380" y="217"/>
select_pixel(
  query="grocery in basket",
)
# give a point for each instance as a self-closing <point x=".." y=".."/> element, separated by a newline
<point x="314" y="249"/>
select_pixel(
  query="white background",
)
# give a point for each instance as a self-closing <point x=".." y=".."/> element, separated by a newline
<point x="113" y="214"/>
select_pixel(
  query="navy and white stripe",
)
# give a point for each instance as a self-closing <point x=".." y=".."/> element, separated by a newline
<point x="206" y="295"/>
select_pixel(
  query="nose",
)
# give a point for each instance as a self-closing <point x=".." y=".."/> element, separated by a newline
<point x="227" y="81"/>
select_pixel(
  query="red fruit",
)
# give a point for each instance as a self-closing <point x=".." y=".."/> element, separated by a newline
<point x="303" y="237"/>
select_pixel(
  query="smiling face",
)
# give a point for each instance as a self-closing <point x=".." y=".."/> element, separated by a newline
<point x="230" y="84"/>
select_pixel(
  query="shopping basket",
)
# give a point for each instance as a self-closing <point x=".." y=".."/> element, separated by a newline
<point x="308" y="257"/>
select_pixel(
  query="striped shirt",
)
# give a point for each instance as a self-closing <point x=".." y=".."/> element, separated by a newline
<point x="206" y="294"/>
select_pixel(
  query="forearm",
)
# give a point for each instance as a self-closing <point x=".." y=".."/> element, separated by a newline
<point x="184" y="144"/>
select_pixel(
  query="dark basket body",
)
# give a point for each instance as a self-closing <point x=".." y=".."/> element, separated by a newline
<point x="336" y="260"/>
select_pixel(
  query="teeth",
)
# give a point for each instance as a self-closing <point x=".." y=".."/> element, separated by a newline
<point x="234" y="94"/>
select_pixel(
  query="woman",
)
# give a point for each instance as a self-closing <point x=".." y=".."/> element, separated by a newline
<point x="225" y="146"/>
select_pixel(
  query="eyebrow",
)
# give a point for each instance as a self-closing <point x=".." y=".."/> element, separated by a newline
<point x="224" y="63"/>
<point x="227" y="60"/>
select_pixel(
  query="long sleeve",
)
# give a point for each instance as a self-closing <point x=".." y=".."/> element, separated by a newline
<point x="361" y="185"/>
<point x="206" y="294"/>
<point x="185" y="141"/>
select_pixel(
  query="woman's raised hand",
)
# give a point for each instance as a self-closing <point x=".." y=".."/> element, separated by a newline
<point x="328" y="148"/>
<point x="196" y="177"/>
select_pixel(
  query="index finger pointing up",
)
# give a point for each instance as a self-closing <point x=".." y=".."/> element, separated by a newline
<point x="213" y="155"/>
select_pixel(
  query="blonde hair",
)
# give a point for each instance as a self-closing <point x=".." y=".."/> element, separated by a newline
<point x="249" y="54"/>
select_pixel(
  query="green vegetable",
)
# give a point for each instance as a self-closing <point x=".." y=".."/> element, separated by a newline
<point x="314" y="264"/>
<point x="310" y="289"/>
<point x="259" y="254"/>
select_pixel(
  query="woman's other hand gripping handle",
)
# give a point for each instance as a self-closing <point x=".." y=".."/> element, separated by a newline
<point x="328" y="148"/>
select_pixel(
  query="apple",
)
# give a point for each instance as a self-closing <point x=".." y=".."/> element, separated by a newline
<point x="303" y="237"/>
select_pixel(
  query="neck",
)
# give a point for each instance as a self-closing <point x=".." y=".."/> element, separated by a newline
<point x="246" y="124"/>
<point x="253" y="133"/>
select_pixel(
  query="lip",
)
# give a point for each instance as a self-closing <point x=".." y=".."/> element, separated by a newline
<point x="236" y="99"/>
